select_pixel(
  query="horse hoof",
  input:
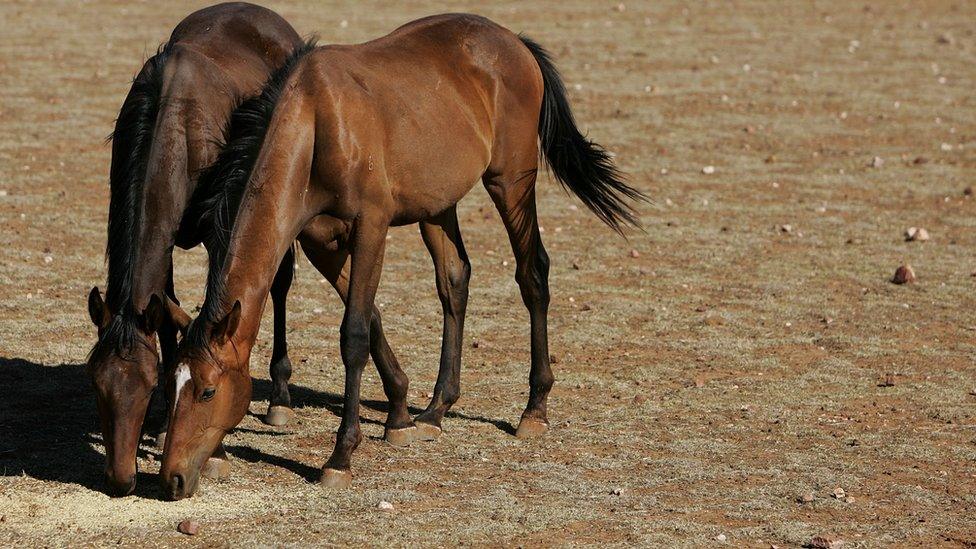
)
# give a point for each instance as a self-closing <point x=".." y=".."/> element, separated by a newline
<point x="531" y="428"/>
<point x="426" y="431"/>
<point x="400" y="437"/>
<point x="334" y="478"/>
<point x="216" y="469"/>
<point x="278" y="415"/>
<point x="161" y="440"/>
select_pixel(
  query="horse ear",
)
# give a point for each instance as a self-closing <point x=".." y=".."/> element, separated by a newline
<point x="152" y="316"/>
<point x="225" y="329"/>
<point x="97" y="309"/>
<point x="177" y="315"/>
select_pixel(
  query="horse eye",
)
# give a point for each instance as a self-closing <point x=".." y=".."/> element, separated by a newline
<point x="208" y="393"/>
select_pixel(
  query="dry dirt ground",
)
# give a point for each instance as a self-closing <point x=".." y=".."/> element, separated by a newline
<point x="704" y="386"/>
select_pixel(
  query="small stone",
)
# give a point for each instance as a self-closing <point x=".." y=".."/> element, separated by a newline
<point x="385" y="506"/>
<point x="699" y="381"/>
<point x="904" y="275"/>
<point x="877" y="162"/>
<point x="634" y="253"/>
<point x="721" y="538"/>
<point x="708" y="170"/>
<point x="617" y="492"/>
<point x="839" y="493"/>
<point x="888" y="380"/>
<point x="824" y="542"/>
<point x="849" y="499"/>
<point x="786" y="228"/>
<point x="48" y="259"/>
<point x="806" y="498"/>
<point x="946" y="38"/>
<point x="475" y="344"/>
<point x="576" y="266"/>
<point x="919" y="160"/>
<point x="916" y="234"/>
<point x="189" y="527"/>
<point x="586" y="307"/>
<point x="640" y="399"/>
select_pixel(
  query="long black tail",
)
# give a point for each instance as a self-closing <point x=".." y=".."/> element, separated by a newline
<point x="578" y="163"/>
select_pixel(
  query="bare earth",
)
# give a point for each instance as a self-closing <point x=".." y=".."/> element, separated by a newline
<point x="704" y="386"/>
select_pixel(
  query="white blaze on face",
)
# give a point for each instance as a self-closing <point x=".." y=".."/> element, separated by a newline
<point x="182" y="376"/>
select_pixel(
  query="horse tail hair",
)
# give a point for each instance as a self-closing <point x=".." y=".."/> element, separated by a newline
<point x="580" y="165"/>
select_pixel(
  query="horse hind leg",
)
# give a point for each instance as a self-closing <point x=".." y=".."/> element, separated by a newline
<point x="513" y="192"/>
<point x="442" y="236"/>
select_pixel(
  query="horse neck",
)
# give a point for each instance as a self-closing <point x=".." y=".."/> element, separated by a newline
<point x="177" y="154"/>
<point x="274" y="207"/>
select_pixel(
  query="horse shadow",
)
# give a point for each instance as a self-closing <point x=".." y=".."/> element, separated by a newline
<point x="49" y="424"/>
<point x="49" y="427"/>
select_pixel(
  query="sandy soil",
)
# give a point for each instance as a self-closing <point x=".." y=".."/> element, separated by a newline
<point x="703" y="387"/>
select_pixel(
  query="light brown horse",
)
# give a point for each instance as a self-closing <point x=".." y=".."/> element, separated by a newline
<point x="167" y="131"/>
<point x="359" y="138"/>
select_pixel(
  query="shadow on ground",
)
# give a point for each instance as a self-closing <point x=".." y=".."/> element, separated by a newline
<point x="49" y="425"/>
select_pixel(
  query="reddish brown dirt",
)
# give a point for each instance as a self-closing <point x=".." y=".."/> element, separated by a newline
<point x="703" y="387"/>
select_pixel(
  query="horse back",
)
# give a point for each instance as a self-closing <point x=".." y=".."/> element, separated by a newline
<point x="415" y="115"/>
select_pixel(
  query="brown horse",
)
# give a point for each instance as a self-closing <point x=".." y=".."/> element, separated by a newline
<point x="167" y="132"/>
<point x="360" y="138"/>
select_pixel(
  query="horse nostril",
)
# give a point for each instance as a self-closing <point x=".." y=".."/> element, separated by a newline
<point x="177" y="484"/>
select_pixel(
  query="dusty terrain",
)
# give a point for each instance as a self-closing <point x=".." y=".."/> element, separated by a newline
<point x="704" y="386"/>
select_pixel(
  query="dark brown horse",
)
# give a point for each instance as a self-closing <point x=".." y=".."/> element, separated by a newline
<point x="167" y="131"/>
<point x="359" y="138"/>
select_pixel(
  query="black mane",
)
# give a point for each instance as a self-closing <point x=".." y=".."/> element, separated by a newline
<point x="221" y="186"/>
<point x="131" y="142"/>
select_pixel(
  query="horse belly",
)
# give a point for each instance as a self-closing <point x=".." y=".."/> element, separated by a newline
<point x="434" y="172"/>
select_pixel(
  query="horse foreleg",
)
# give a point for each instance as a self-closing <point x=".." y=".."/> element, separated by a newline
<point x="331" y="261"/>
<point x="279" y="406"/>
<point x="368" y="243"/>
